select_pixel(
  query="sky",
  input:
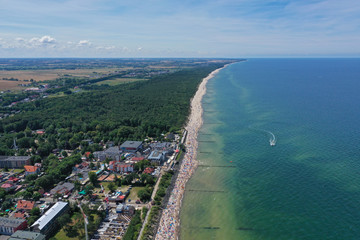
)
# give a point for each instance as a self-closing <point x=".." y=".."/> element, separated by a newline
<point x="179" y="28"/>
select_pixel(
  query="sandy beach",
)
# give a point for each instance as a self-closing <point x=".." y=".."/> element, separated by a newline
<point x="170" y="219"/>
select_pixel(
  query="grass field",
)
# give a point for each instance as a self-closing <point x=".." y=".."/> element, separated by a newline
<point x="133" y="193"/>
<point x="42" y="75"/>
<point x="118" y="81"/>
<point x="11" y="85"/>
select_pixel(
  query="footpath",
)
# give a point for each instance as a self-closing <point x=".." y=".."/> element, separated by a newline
<point x="150" y="205"/>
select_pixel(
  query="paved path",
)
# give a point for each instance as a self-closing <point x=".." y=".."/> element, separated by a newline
<point x="150" y="205"/>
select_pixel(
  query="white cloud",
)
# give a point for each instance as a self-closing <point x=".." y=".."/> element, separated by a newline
<point x="84" y="43"/>
<point x="20" y="40"/>
<point x="105" y="48"/>
<point x="40" y="42"/>
<point x="47" y="40"/>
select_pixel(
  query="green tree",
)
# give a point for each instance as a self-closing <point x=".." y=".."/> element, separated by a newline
<point x="2" y="193"/>
<point x="45" y="182"/>
<point x="35" y="212"/>
<point x="93" y="178"/>
<point x="112" y="187"/>
<point x="144" y="194"/>
<point x="63" y="220"/>
<point x="77" y="185"/>
<point x="36" y="196"/>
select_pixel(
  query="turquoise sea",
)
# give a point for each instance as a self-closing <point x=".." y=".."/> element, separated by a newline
<point x="307" y="186"/>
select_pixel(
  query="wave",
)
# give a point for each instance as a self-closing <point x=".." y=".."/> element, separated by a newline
<point x="272" y="139"/>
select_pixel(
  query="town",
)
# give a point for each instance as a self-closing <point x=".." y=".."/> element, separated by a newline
<point x="105" y="190"/>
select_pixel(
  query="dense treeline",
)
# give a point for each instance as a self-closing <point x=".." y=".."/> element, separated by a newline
<point x="128" y="111"/>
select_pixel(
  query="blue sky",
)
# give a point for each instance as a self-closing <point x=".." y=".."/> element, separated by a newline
<point x="182" y="28"/>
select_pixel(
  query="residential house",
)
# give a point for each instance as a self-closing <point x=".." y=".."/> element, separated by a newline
<point x="149" y="170"/>
<point x="19" y="215"/>
<point x="100" y="155"/>
<point x="113" y="153"/>
<point x="40" y="131"/>
<point x="13" y="179"/>
<point x="63" y="189"/>
<point x="137" y="159"/>
<point x="31" y="170"/>
<point x="25" y="205"/>
<point x="124" y="168"/>
<point x="121" y="167"/>
<point x="8" y="187"/>
<point x="10" y="225"/>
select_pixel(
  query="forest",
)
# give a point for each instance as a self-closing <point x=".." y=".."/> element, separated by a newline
<point x="129" y="111"/>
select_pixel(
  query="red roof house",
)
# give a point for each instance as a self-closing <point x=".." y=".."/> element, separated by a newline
<point x="25" y="205"/>
<point x="31" y="170"/>
<point x="19" y="215"/>
<point x="8" y="186"/>
<point x="149" y="170"/>
<point x="137" y="159"/>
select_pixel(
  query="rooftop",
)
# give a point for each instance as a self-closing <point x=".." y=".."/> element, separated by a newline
<point x="155" y="155"/>
<point x="131" y="144"/>
<point x="49" y="215"/>
<point x="27" y="235"/>
<point x="112" y="150"/>
<point x="62" y="188"/>
<point x="29" y="168"/>
<point x="26" y="205"/>
<point x="14" y="158"/>
<point x="10" y="222"/>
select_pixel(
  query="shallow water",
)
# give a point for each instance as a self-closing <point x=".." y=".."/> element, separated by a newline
<point x="307" y="186"/>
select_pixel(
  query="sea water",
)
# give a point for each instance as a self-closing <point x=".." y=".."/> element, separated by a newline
<point x="307" y="186"/>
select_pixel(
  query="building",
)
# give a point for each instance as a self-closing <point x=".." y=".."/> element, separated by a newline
<point x="161" y="146"/>
<point x="170" y="137"/>
<point x="8" y="187"/>
<point x="27" y="235"/>
<point x="126" y="209"/>
<point x="10" y="225"/>
<point x="25" y="205"/>
<point x="14" y="161"/>
<point x="113" y="153"/>
<point x="149" y="170"/>
<point x="47" y="222"/>
<point x="19" y="215"/>
<point x="31" y="170"/>
<point x="63" y="189"/>
<point x="157" y="157"/>
<point x="137" y="159"/>
<point x="100" y="155"/>
<point x="124" y="168"/>
<point x="131" y="146"/>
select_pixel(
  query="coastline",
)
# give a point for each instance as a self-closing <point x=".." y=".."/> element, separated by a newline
<point x="169" y="226"/>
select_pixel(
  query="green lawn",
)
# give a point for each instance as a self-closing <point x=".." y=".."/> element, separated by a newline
<point x="117" y="81"/>
<point x="133" y="193"/>
<point x="62" y="235"/>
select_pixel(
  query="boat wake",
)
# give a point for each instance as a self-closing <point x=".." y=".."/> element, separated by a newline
<point x="272" y="139"/>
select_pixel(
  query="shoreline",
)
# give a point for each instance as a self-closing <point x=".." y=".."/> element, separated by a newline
<point x="169" y="226"/>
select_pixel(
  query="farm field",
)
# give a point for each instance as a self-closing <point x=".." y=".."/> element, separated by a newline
<point x="117" y="81"/>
